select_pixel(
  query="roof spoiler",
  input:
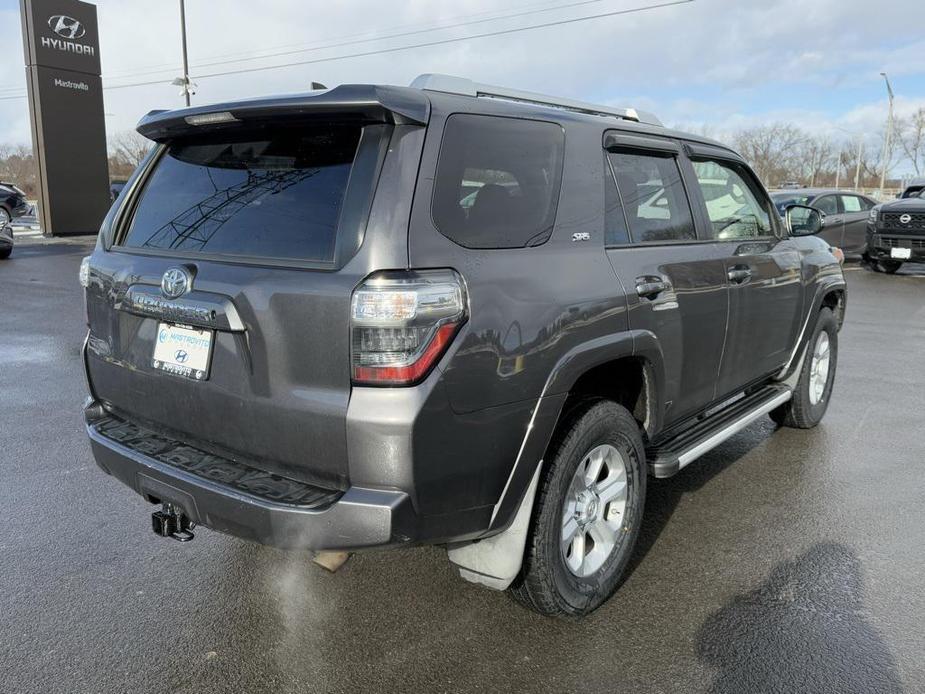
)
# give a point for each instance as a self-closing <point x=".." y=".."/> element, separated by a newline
<point x="358" y="103"/>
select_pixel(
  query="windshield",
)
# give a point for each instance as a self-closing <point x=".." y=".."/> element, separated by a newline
<point x="275" y="195"/>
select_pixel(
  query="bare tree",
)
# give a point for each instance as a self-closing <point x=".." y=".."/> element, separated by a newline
<point x="772" y="150"/>
<point x="17" y="165"/>
<point x="911" y="135"/>
<point x="127" y="149"/>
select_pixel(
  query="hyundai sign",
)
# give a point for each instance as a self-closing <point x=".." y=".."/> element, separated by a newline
<point x="61" y="43"/>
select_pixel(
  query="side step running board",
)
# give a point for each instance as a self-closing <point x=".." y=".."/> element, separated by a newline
<point x="667" y="457"/>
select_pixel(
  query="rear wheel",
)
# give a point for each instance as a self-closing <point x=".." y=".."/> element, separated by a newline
<point x="587" y="515"/>
<point x="817" y="376"/>
<point x="5" y="216"/>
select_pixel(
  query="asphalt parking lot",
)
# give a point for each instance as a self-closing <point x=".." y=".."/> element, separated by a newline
<point x="784" y="561"/>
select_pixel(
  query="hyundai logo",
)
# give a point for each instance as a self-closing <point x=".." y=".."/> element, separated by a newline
<point x="181" y="356"/>
<point x="66" y="27"/>
<point x="905" y="219"/>
<point x="176" y="282"/>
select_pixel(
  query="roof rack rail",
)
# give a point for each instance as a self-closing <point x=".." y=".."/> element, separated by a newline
<point x="466" y="87"/>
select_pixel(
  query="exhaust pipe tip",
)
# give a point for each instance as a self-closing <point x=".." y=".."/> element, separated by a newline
<point x="331" y="561"/>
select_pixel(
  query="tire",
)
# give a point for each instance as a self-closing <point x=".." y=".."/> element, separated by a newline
<point x="5" y="253"/>
<point x="560" y="578"/>
<point x="812" y="394"/>
<point x="888" y="266"/>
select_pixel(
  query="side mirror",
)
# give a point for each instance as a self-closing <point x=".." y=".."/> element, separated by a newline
<point x="804" y="221"/>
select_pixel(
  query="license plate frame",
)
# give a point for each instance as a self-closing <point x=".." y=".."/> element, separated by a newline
<point x="901" y="253"/>
<point x="183" y="350"/>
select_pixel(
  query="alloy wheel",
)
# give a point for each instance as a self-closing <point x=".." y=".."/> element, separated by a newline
<point x="595" y="506"/>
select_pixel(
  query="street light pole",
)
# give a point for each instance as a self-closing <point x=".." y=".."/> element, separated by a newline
<point x="887" y="144"/>
<point x="186" y="82"/>
<point x="857" y="168"/>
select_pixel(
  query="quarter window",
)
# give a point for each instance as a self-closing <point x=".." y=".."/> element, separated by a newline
<point x="497" y="182"/>
<point x="653" y="196"/>
<point x="855" y="203"/>
<point x="735" y="208"/>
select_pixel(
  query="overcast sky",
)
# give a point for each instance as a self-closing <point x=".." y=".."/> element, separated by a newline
<point x="719" y="64"/>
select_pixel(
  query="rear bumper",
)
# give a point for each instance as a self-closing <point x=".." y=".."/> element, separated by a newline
<point x="358" y="518"/>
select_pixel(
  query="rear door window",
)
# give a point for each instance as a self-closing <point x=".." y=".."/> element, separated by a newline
<point x="498" y="180"/>
<point x="275" y="195"/>
<point x="828" y="204"/>
<point x="653" y="196"/>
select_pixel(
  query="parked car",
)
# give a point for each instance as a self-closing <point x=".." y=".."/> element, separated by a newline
<point x="915" y="187"/>
<point x="12" y="203"/>
<point x="6" y="241"/>
<point x="845" y="212"/>
<point x="115" y="187"/>
<point x="896" y="233"/>
<point x="304" y="331"/>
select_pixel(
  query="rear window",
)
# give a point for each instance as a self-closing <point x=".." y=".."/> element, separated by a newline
<point x="498" y="179"/>
<point x="276" y="195"/>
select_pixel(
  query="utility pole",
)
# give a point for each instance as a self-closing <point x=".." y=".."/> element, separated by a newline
<point x="888" y="142"/>
<point x="186" y="82"/>
<point x="838" y="169"/>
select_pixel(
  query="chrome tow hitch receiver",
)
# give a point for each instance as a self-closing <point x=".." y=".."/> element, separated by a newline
<point x="170" y="521"/>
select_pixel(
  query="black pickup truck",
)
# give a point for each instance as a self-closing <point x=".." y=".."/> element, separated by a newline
<point x="896" y="233"/>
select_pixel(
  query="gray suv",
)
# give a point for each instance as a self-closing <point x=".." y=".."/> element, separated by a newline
<point x="449" y="314"/>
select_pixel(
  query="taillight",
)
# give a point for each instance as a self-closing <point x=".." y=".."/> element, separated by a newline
<point x="401" y="323"/>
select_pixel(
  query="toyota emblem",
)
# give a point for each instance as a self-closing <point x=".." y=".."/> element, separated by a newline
<point x="176" y="282"/>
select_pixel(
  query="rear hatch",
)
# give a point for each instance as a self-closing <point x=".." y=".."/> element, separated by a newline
<point x="218" y="301"/>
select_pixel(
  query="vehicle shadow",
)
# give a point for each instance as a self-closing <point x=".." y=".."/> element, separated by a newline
<point x="802" y="630"/>
<point x="663" y="496"/>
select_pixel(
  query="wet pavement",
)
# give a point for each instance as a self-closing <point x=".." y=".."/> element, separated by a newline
<point x="784" y="561"/>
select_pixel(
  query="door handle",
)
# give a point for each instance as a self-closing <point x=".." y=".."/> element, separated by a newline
<point x="739" y="274"/>
<point x="650" y="287"/>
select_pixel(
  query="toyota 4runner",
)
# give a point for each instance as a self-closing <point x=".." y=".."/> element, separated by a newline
<point x="448" y="314"/>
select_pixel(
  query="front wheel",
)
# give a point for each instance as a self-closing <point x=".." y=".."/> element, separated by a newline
<point x="817" y="376"/>
<point x="587" y="513"/>
<point x="887" y="266"/>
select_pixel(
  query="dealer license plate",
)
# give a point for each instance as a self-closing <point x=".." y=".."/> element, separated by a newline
<point x="182" y="351"/>
<point x="901" y="253"/>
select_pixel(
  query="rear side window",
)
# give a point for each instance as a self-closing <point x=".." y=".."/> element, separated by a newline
<point x="498" y="180"/>
<point x="654" y="200"/>
<point x="276" y="195"/>
<point x="827" y="204"/>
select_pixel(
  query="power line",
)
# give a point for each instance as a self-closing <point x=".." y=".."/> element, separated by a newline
<point x="441" y="42"/>
<point x="304" y="48"/>
<point x="426" y="44"/>
<point x="370" y="36"/>
<point x="403" y="34"/>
